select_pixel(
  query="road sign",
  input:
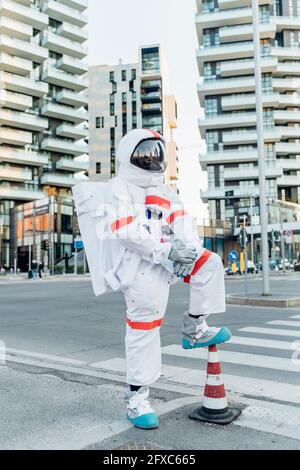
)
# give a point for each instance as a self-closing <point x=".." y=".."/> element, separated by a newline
<point x="288" y="233"/>
<point x="78" y="244"/>
<point x="243" y="237"/>
<point x="233" y="256"/>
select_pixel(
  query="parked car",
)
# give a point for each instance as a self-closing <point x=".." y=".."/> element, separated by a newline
<point x="251" y="268"/>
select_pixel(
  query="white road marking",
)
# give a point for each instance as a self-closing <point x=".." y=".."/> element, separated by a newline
<point x="296" y="316"/>
<point x="282" y="420"/>
<point x="233" y="357"/>
<point x="271" y="331"/>
<point x="48" y="357"/>
<point x="234" y="384"/>
<point x="261" y="342"/>
<point x="284" y="323"/>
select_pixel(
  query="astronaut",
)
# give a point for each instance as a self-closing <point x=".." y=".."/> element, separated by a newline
<point x="161" y="246"/>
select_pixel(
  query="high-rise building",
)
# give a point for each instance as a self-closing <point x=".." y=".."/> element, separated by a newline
<point x="43" y="107"/>
<point x="227" y="94"/>
<point x="128" y="96"/>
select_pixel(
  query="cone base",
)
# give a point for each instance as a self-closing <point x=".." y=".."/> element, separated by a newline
<point x="229" y="415"/>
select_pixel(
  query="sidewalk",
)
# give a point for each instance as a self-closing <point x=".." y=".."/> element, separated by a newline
<point x="71" y="407"/>
<point x="23" y="277"/>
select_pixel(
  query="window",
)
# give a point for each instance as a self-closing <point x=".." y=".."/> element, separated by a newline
<point x="150" y="60"/>
<point x="111" y="76"/>
<point x="214" y="140"/>
<point x="98" y="168"/>
<point x="116" y="121"/>
<point x="211" y="37"/>
<point x="267" y="82"/>
<point x="270" y="155"/>
<point x="268" y="117"/>
<point x="114" y="87"/>
<point x="265" y="47"/>
<point x="124" y="75"/>
<point x="264" y="13"/>
<point x="277" y="7"/>
<point x="209" y="6"/>
<point x="211" y="106"/>
<point x="212" y="70"/>
<point x="112" y="104"/>
<point x="124" y="98"/>
<point x="133" y="74"/>
<point x="98" y="122"/>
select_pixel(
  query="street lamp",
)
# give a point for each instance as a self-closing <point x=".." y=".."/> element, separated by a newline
<point x="260" y="150"/>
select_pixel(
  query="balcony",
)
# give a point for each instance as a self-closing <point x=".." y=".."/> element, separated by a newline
<point x="63" y="46"/>
<point x="72" y="132"/>
<point x="71" y="98"/>
<point x="228" y="120"/>
<point x="227" y="4"/>
<point x="15" y="29"/>
<point x="224" y="52"/>
<point x="286" y="84"/>
<point x="152" y="108"/>
<point x="8" y="173"/>
<point x="63" y="79"/>
<point x="246" y="67"/>
<point x="243" y="137"/>
<point x="287" y="68"/>
<point x="225" y="86"/>
<point x="216" y="19"/>
<point x="12" y="64"/>
<point x="23" y="84"/>
<point x="150" y="97"/>
<point x="151" y="84"/>
<point x="287" y="148"/>
<point x="286" y="53"/>
<point x="66" y="113"/>
<point x="250" y="173"/>
<point x="228" y="156"/>
<point x="61" y="12"/>
<point x="79" y="5"/>
<point x="245" y="32"/>
<point x="286" y="22"/>
<point x="21" y="13"/>
<point x="289" y="132"/>
<point x="289" y="163"/>
<point x="22" y="120"/>
<point x="71" y="65"/>
<point x="219" y="193"/>
<point x="72" y="32"/>
<point x="285" y="116"/>
<point x="71" y="165"/>
<point x="64" y="146"/>
<point x="9" y="99"/>
<point x="56" y="179"/>
<point x="240" y="101"/>
<point x="26" y="50"/>
<point x="15" y="137"/>
<point x="8" y="191"/>
<point x="25" y="157"/>
<point x="288" y="180"/>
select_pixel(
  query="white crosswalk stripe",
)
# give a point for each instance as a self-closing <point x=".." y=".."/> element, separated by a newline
<point x="284" y="323"/>
<point x="262" y="343"/>
<point x="271" y="331"/>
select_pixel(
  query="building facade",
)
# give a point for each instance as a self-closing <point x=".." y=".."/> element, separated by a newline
<point x="129" y="96"/>
<point x="227" y="94"/>
<point x="43" y="107"/>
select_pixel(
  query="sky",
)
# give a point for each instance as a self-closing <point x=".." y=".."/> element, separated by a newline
<point x="116" y="30"/>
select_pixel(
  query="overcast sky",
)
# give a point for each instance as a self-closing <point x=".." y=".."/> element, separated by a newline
<point x="116" y="30"/>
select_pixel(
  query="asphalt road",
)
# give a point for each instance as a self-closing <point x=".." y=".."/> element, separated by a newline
<point x="53" y="329"/>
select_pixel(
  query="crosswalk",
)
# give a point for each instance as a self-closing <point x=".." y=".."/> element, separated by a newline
<point x="254" y="355"/>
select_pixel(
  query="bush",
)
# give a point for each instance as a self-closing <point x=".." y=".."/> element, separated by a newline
<point x="58" y="269"/>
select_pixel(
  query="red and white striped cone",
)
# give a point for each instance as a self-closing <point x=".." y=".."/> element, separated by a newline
<point x="214" y="407"/>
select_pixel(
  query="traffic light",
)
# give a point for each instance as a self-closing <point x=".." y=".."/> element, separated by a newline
<point x="45" y="245"/>
<point x="243" y="238"/>
<point x="229" y="195"/>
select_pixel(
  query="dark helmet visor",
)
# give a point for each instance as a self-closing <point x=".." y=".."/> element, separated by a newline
<point x="150" y="155"/>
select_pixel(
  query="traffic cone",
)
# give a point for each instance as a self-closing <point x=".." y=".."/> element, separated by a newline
<point x="214" y="407"/>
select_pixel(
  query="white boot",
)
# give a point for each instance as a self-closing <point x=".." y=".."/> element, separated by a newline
<point x="140" y="412"/>
<point x="197" y="334"/>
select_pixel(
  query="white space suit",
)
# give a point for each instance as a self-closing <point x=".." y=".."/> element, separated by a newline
<point x="137" y="195"/>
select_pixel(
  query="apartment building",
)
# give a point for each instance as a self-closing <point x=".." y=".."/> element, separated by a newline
<point x="129" y="96"/>
<point x="227" y="94"/>
<point x="43" y="107"/>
